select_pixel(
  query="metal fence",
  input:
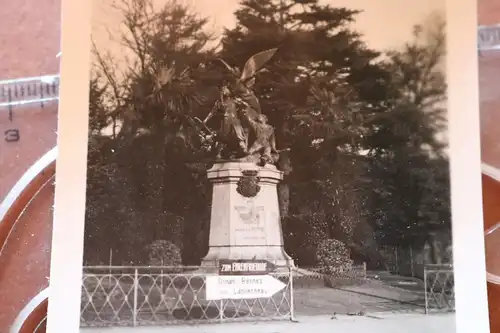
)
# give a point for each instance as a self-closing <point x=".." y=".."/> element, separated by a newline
<point x="408" y="261"/>
<point x="439" y="287"/>
<point x="403" y="260"/>
<point x="134" y="296"/>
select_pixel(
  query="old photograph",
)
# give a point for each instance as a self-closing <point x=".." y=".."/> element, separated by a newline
<point x="260" y="160"/>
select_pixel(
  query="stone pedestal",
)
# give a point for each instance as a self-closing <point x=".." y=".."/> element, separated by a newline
<point x="245" y="219"/>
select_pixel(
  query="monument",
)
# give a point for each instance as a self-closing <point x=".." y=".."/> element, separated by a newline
<point x="245" y="219"/>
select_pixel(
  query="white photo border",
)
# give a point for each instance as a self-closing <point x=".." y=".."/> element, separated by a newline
<point x="71" y="169"/>
<point x="468" y="234"/>
<point x="465" y="162"/>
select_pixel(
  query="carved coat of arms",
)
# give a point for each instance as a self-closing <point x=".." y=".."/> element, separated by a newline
<point x="248" y="185"/>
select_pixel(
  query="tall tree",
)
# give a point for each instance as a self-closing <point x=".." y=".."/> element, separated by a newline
<point x="354" y="124"/>
<point x="318" y="91"/>
<point x="162" y="83"/>
<point x="409" y="150"/>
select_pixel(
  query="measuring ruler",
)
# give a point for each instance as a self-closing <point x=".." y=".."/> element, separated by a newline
<point x="28" y="124"/>
<point x="31" y="92"/>
<point x="488" y="37"/>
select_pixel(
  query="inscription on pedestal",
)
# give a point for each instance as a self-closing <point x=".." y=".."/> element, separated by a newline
<point x="245" y="217"/>
<point x="251" y="227"/>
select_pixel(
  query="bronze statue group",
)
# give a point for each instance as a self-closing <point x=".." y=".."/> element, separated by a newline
<point x="244" y="134"/>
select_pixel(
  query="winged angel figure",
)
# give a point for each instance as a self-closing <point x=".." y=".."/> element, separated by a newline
<point x="244" y="133"/>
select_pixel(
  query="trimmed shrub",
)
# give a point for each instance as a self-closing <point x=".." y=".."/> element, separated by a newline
<point x="333" y="258"/>
<point x="164" y="253"/>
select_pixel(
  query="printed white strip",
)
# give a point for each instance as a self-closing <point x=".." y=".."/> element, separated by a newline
<point x="490" y="171"/>
<point x="28" y="101"/>
<point x="39" y="326"/>
<point x="43" y="78"/>
<point x="488" y="37"/>
<point x="493" y="173"/>
<point x="25" y="180"/>
<point x="28" y="310"/>
<point x="491" y="278"/>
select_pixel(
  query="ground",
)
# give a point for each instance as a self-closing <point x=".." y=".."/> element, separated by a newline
<point x="326" y="301"/>
<point x="379" y="293"/>
<point x="375" y="323"/>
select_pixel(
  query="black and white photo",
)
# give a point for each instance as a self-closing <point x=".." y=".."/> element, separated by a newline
<point x="260" y="160"/>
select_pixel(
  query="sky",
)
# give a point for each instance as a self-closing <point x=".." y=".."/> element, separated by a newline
<point x="385" y="24"/>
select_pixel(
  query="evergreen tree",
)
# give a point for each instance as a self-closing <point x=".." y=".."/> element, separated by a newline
<point x="408" y="151"/>
<point x="364" y="154"/>
<point x="319" y="88"/>
<point x="163" y="85"/>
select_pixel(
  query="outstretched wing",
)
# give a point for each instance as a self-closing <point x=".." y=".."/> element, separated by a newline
<point x="256" y="62"/>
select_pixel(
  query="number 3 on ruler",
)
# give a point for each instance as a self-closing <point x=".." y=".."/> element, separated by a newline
<point x="12" y="135"/>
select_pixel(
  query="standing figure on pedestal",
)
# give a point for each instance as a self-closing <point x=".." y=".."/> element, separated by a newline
<point x="264" y="144"/>
<point x="245" y="219"/>
<point x="232" y="137"/>
<point x="244" y="133"/>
